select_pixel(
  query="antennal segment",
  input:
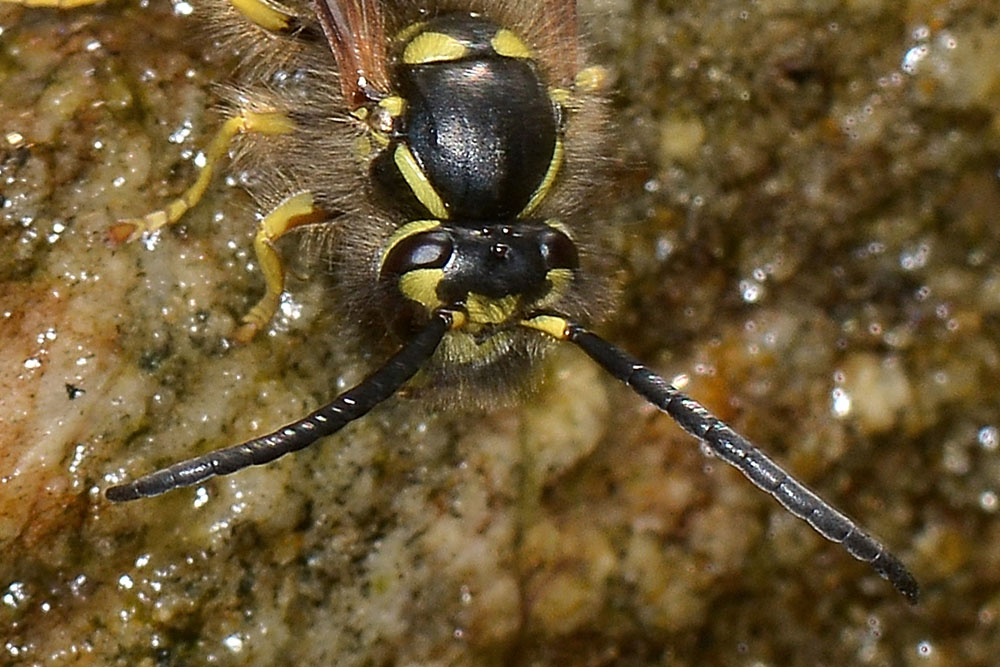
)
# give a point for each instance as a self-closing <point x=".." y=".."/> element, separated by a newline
<point x="350" y="405"/>
<point x="735" y="450"/>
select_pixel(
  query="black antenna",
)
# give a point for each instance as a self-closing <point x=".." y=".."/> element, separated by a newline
<point x="350" y="405"/>
<point x="737" y="451"/>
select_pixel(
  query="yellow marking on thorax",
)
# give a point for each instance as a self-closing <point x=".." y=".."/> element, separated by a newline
<point x="506" y="43"/>
<point x="418" y="182"/>
<point x="547" y="181"/>
<point x="394" y="104"/>
<point x="433" y="47"/>
<point x="380" y="122"/>
<point x="405" y="35"/>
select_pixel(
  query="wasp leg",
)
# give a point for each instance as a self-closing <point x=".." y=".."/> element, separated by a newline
<point x="55" y="4"/>
<point x="295" y="211"/>
<point x="265" y="13"/>
<point x="594" y="79"/>
<point x="735" y="450"/>
<point x="246" y="121"/>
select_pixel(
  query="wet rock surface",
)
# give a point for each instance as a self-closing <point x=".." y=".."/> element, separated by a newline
<point x="808" y="242"/>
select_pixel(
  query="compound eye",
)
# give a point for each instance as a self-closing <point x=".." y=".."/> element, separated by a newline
<point x="558" y="250"/>
<point x="427" y="250"/>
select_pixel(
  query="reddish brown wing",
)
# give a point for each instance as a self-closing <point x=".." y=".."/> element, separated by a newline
<point x="355" y="30"/>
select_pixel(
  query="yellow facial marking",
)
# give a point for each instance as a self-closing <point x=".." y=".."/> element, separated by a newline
<point x="506" y="43"/>
<point x="554" y="326"/>
<point x="547" y="182"/>
<point x="485" y="310"/>
<point x="409" y="229"/>
<point x="267" y="15"/>
<point x="420" y="285"/>
<point x="432" y="47"/>
<point x="457" y="320"/>
<point x="561" y="279"/>
<point x="418" y="182"/>
<point x="460" y="347"/>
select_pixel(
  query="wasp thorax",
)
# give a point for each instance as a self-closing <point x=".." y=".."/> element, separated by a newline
<point x="477" y="136"/>
<point x="475" y="146"/>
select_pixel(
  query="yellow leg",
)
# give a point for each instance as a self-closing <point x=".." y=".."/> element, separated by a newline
<point x="265" y="13"/>
<point x="57" y="4"/>
<point x="592" y="79"/>
<point x="247" y="121"/>
<point x="294" y="211"/>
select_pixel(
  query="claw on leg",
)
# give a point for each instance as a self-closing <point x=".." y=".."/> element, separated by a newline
<point x="131" y="229"/>
<point x="292" y="212"/>
<point x="295" y="211"/>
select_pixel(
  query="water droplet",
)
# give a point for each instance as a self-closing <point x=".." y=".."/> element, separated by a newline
<point x="988" y="438"/>
<point x="988" y="501"/>
<point x="234" y="643"/>
<point x="841" y="402"/>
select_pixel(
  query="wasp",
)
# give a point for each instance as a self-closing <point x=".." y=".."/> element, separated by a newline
<point x="444" y="155"/>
